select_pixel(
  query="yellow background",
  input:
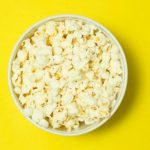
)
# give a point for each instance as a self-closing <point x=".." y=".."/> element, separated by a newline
<point x="129" y="21"/>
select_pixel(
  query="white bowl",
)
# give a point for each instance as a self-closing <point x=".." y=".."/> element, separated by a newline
<point x="84" y="129"/>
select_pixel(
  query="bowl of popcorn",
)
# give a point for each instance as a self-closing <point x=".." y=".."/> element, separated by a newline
<point x="67" y="74"/>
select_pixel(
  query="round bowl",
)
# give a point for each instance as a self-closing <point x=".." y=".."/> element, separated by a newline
<point x="84" y="129"/>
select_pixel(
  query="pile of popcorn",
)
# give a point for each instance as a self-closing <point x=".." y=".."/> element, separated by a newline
<point x="68" y="73"/>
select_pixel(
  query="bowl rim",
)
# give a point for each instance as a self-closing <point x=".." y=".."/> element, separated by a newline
<point x="123" y="86"/>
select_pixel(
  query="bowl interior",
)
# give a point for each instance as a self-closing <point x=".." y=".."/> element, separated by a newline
<point x="83" y="129"/>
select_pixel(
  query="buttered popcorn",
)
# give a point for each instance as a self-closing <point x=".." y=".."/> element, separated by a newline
<point x="66" y="74"/>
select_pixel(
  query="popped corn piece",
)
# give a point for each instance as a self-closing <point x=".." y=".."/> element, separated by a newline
<point x="86" y="99"/>
<point x="26" y="44"/>
<point x="57" y="59"/>
<point x="90" y="43"/>
<point x="71" y="25"/>
<point x="22" y="55"/>
<point x="48" y="109"/>
<point x="40" y="98"/>
<point x="57" y="50"/>
<point x="115" y="67"/>
<point x="58" y="118"/>
<point x="44" y="123"/>
<point x="39" y="38"/>
<point x="69" y="124"/>
<point x="90" y="75"/>
<point x="16" y="65"/>
<point x="16" y="79"/>
<point x="55" y="124"/>
<point x="27" y="112"/>
<point x="104" y="74"/>
<point x="50" y="28"/>
<point x="22" y="99"/>
<point x="25" y="89"/>
<point x="67" y="97"/>
<point x="104" y="111"/>
<point x="17" y="90"/>
<point x="42" y="61"/>
<point x="74" y="75"/>
<point x="37" y="115"/>
<point x="102" y="38"/>
<point x="106" y="56"/>
<point x="93" y="112"/>
<point x="72" y="109"/>
<point x="54" y="84"/>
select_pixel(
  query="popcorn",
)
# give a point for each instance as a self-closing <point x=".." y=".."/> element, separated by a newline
<point x="17" y="90"/>
<point x="37" y="115"/>
<point x="72" y="109"/>
<point x="106" y="56"/>
<point x="93" y="112"/>
<point x="39" y="97"/>
<point x="115" y="67"/>
<point x="85" y="99"/>
<point x="48" y="109"/>
<point x="25" y="89"/>
<point x="58" y="118"/>
<point x="58" y="50"/>
<point x="16" y="65"/>
<point x="90" y="75"/>
<point x="22" y="99"/>
<point x="74" y="75"/>
<point x="69" y="124"/>
<point x="71" y="25"/>
<point x="57" y="59"/>
<point x="104" y="111"/>
<point x="26" y="44"/>
<point x="50" y="28"/>
<point x="27" y="112"/>
<point x="42" y="61"/>
<point x="44" y="123"/>
<point x="16" y="79"/>
<point x="67" y="97"/>
<point x="68" y="72"/>
<point x="102" y="38"/>
<point x="22" y="55"/>
<point x="90" y="43"/>
<point x="55" y="41"/>
<point x="104" y="75"/>
<point x="39" y="39"/>
<point x="54" y="84"/>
